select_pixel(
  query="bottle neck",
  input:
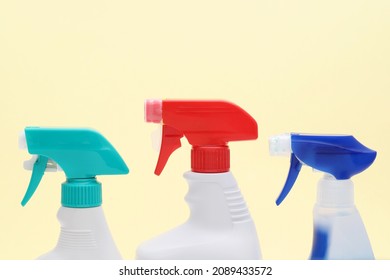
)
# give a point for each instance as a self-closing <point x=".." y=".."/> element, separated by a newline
<point x="81" y="193"/>
<point x="333" y="193"/>
<point x="210" y="159"/>
<point x="215" y="200"/>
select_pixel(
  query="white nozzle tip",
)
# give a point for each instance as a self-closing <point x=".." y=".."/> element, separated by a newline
<point x="153" y="110"/>
<point x="22" y="141"/>
<point x="280" y="145"/>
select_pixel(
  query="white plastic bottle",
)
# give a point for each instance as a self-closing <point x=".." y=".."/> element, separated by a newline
<point x="220" y="225"/>
<point x="84" y="236"/>
<point x="339" y="232"/>
<point x="82" y="154"/>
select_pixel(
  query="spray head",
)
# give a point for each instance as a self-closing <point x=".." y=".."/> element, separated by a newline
<point x="208" y="125"/>
<point x="341" y="156"/>
<point x="81" y="153"/>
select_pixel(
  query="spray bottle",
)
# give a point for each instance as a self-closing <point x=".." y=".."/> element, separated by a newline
<point x="81" y="154"/>
<point x="339" y="232"/>
<point x="220" y="225"/>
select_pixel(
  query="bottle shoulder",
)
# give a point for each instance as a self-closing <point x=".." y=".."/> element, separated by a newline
<point x="223" y="178"/>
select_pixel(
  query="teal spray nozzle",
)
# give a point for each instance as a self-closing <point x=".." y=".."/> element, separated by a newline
<point x="342" y="156"/>
<point x="81" y="153"/>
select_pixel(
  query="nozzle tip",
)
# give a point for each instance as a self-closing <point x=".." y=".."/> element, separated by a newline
<point x="280" y="145"/>
<point x="22" y="141"/>
<point x="153" y="110"/>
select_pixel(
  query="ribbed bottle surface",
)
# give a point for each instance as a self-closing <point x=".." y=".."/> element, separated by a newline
<point x="81" y="193"/>
<point x="237" y="206"/>
<point x="210" y="159"/>
<point x="76" y="239"/>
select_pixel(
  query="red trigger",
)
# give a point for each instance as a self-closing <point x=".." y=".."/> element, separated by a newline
<point x="169" y="143"/>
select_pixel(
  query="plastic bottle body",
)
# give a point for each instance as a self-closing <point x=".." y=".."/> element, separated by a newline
<point x="339" y="232"/>
<point x="219" y="226"/>
<point x="84" y="236"/>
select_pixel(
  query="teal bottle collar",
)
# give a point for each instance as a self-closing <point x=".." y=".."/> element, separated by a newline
<point x="81" y="193"/>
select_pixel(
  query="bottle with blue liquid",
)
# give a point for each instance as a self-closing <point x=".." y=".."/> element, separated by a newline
<point x="339" y="232"/>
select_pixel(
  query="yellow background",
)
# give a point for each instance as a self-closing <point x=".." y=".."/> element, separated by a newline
<point x="301" y="66"/>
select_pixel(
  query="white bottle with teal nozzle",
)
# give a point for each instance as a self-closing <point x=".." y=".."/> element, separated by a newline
<point x="220" y="225"/>
<point x="339" y="232"/>
<point x="82" y="154"/>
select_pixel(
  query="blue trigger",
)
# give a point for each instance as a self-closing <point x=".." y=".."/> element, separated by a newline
<point x="295" y="168"/>
<point x="36" y="177"/>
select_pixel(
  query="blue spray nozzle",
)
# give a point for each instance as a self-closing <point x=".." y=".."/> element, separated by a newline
<point x="342" y="156"/>
<point x="295" y="168"/>
<point x="81" y="153"/>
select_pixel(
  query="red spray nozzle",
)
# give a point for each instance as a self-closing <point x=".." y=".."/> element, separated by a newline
<point x="208" y="126"/>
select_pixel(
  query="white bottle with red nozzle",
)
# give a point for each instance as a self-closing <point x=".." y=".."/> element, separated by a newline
<point x="220" y="225"/>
